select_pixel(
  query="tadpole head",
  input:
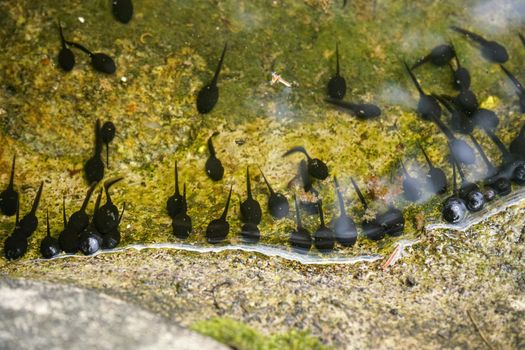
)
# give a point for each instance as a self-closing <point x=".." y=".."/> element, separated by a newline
<point x="454" y="210"/>
<point x="103" y="63"/>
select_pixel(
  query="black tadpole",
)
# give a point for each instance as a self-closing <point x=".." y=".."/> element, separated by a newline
<point x="344" y="227"/>
<point x="9" y="197"/>
<point x="94" y="167"/>
<point x="99" y="61"/>
<point x="337" y="84"/>
<point x="68" y="239"/>
<point x="466" y="101"/>
<point x="209" y="94"/>
<point x="277" y="203"/>
<point x="461" y="75"/>
<point x="436" y="178"/>
<point x="439" y="56"/>
<point x="175" y="203"/>
<point x="218" y="229"/>
<point x="316" y="167"/>
<point x="66" y="58"/>
<point x="362" y="111"/>
<point x="79" y="220"/>
<point x="518" y="87"/>
<point x="461" y="151"/>
<point x="427" y="107"/>
<point x="29" y="222"/>
<point x="454" y="209"/>
<point x="458" y="121"/>
<point x="250" y="209"/>
<point x="122" y="10"/>
<point x="324" y="237"/>
<point x="90" y="239"/>
<point x="181" y="223"/>
<point x="512" y="167"/>
<point x="112" y="239"/>
<point x="107" y="134"/>
<point x="106" y="217"/>
<point x="493" y="179"/>
<point x="371" y="228"/>
<point x="213" y="167"/>
<point x="411" y="186"/>
<point x="49" y="246"/>
<point x="490" y="50"/>
<point x="392" y="221"/>
<point x="15" y="246"/>
<point x="470" y="192"/>
<point x="300" y="239"/>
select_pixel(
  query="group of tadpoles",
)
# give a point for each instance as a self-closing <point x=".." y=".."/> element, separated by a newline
<point x="342" y="229"/>
<point x="101" y="62"/>
<point x="465" y="115"/>
<point x="80" y="233"/>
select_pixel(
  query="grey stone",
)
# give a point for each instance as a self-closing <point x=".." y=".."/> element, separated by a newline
<point x="36" y="315"/>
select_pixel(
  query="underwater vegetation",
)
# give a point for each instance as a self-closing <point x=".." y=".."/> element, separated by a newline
<point x="456" y="117"/>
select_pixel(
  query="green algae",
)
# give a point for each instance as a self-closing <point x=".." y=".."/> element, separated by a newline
<point x="243" y="337"/>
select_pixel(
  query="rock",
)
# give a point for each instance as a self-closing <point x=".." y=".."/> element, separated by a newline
<point x="38" y="315"/>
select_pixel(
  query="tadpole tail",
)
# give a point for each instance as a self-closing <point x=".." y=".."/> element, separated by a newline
<point x="62" y="39"/>
<point x="429" y="162"/>
<point x="64" y="218"/>
<point x="248" y="183"/>
<point x="506" y="155"/>
<point x="414" y="80"/>
<point x="122" y="213"/>
<point x="225" y="212"/>
<point x="450" y="136"/>
<point x="110" y="183"/>
<point x="12" y="176"/>
<point x="339" y="197"/>
<point x="47" y="222"/>
<point x="211" y="149"/>
<point x="37" y="198"/>
<point x="219" y="66"/>
<point x="297" y="213"/>
<point x="320" y="209"/>
<point x="97" y="202"/>
<point x="88" y="196"/>
<point x="359" y="194"/>
<point x="458" y="166"/>
<point x="177" y="192"/>
<point x="522" y="38"/>
<point x="80" y="47"/>
<point x="420" y="62"/>
<point x="517" y="85"/>
<point x="490" y="167"/>
<point x="266" y="181"/>
<point x="476" y="37"/>
<point x="341" y="104"/>
<point x="295" y="150"/>
<point x="455" y="184"/>
<point x="444" y="102"/>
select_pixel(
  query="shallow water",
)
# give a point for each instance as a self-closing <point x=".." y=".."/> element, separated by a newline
<point x="170" y="49"/>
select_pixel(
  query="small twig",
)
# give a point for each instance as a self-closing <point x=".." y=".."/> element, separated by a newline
<point x="482" y="335"/>
<point x="214" y="289"/>
<point x="277" y="78"/>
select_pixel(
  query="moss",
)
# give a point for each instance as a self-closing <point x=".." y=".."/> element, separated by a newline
<point x="242" y="337"/>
